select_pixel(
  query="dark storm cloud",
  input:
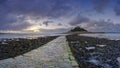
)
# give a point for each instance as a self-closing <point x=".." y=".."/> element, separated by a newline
<point x="11" y="22"/>
<point x="52" y="8"/>
<point x="117" y="8"/>
<point x="60" y="7"/>
<point x="21" y="26"/>
<point x="60" y="24"/>
<point x="100" y="5"/>
<point x="106" y="26"/>
<point x="47" y="22"/>
<point x="29" y="7"/>
<point x="95" y="25"/>
<point x="2" y="1"/>
<point x="35" y="9"/>
<point x="79" y="19"/>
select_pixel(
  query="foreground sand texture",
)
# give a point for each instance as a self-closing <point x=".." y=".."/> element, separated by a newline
<point x="55" y="54"/>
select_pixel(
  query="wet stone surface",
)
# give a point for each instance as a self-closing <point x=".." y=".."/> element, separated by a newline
<point x="55" y="54"/>
<point x="10" y="48"/>
<point x="95" y="52"/>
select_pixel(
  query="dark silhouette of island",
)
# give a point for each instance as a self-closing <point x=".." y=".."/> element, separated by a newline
<point x="78" y="29"/>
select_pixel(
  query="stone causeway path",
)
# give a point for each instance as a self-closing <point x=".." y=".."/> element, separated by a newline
<point x="55" y="54"/>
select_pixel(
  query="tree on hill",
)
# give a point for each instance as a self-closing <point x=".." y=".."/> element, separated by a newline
<point x="76" y="29"/>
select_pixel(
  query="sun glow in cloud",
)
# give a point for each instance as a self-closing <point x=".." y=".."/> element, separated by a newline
<point x="33" y="28"/>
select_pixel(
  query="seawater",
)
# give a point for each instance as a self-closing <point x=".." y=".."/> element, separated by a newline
<point x="19" y="35"/>
<point x="111" y="36"/>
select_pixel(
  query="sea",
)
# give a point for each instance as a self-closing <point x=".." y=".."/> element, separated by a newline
<point x="111" y="36"/>
<point x="13" y="35"/>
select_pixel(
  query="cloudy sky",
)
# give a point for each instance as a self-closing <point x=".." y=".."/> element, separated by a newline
<point x="24" y="16"/>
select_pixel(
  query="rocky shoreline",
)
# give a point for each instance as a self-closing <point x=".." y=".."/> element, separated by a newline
<point x="10" y="48"/>
<point x="95" y="52"/>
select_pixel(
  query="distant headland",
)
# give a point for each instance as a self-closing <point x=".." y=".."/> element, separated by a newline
<point x="78" y="29"/>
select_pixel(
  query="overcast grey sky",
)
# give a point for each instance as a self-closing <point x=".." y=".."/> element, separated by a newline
<point x="59" y="15"/>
